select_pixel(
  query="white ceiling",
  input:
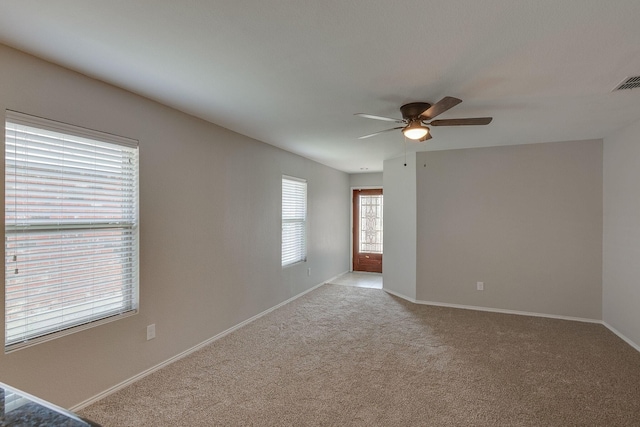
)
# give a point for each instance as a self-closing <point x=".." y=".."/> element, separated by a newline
<point x="293" y="72"/>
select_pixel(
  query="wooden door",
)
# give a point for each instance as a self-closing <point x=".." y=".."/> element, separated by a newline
<point x="367" y="230"/>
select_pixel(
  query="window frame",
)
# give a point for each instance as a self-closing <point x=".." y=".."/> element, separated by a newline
<point x="130" y="287"/>
<point x="291" y="258"/>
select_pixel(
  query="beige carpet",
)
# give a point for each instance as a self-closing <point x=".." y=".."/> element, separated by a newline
<point x="347" y="356"/>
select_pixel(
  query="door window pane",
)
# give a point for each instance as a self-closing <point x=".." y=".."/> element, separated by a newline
<point x="371" y="224"/>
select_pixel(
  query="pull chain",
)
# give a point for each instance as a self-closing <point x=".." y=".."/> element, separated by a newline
<point x="405" y="151"/>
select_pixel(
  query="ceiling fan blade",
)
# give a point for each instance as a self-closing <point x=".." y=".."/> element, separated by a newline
<point x="440" y="107"/>
<point x="378" y="133"/>
<point x="386" y="119"/>
<point x="462" y="122"/>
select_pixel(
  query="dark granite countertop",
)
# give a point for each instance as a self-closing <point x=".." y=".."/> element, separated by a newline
<point x="21" y="409"/>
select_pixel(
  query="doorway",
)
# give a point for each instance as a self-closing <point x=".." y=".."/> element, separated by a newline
<point x="367" y="230"/>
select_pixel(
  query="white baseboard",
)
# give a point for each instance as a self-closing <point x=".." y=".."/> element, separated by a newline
<point x="619" y="334"/>
<point x="519" y="313"/>
<point x="187" y="352"/>
<point x="335" y="277"/>
<point x="506" y="311"/>
<point x="399" y="295"/>
<point x="495" y="310"/>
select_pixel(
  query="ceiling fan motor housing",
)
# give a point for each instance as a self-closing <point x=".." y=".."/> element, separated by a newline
<point x="413" y="110"/>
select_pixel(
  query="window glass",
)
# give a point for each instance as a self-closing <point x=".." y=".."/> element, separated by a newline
<point x="294" y="220"/>
<point x="71" y="227"/>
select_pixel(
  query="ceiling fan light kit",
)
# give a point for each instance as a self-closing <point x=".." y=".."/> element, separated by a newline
<point x="417" y="117"/>
<point x="415" y="130"/>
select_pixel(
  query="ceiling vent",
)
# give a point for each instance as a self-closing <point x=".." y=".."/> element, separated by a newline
<point x="629" y="83"/>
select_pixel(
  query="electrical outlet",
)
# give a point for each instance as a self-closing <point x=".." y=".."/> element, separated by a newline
<point x="151" y="332"/>
<point x="480" y="286"/>
<point x="309" y="271"/>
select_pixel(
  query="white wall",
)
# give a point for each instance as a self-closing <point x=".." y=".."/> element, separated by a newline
<point x="210" y="231"/>
<point x="399" y="260"/>
<point x="361" y="180"/>
<point x="621" y="239"/>
<point x="526" y="220"/>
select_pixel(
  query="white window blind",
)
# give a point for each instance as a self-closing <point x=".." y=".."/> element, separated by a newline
<point x="294" y="220"/>
<point x="71" y="228"/>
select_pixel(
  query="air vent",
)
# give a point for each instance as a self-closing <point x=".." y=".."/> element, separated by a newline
<point x="629" y="83"/>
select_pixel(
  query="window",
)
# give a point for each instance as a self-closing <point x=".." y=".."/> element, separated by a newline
<point x="370" y="223"/>
<point x="294" y="220"/>
<point x="71" y="229"/>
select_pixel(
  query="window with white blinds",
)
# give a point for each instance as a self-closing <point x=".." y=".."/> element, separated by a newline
<point x="294" y="220"/>
<point x="71" y="229"/>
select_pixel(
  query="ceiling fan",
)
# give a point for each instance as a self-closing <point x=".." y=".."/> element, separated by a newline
<point x="417" y="116"/>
